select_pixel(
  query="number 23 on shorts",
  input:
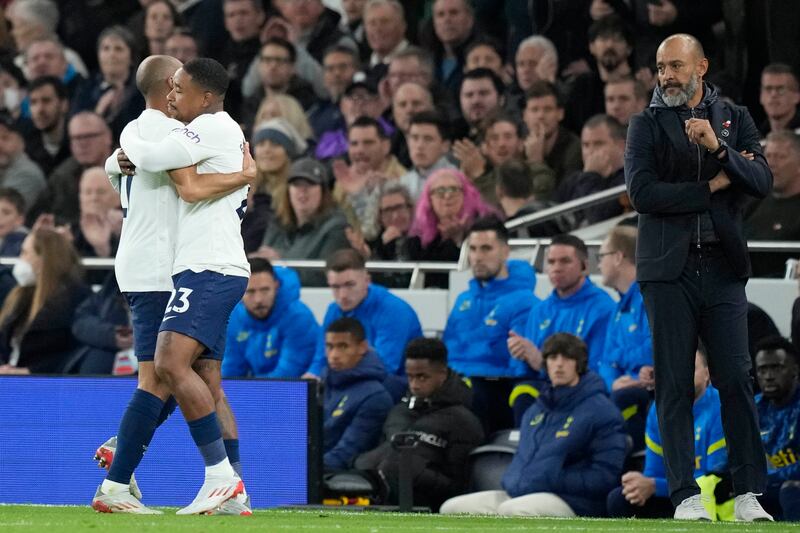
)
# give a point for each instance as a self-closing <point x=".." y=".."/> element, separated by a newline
<point x="182" y="305"/>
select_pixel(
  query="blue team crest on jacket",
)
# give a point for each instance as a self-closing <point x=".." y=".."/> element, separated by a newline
<point x="269" y="348"/>
<point x="339" y="407"/>
<point x="632" y="328"/>
<point x="242" y="336"/>
<point x="545" y="323"/>
<point x="465" y="305"/>
<point x="490" y="320"/>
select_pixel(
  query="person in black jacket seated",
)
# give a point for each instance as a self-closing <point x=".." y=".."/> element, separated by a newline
<point x="437" y="411"/>
<point x="36" y="318"/>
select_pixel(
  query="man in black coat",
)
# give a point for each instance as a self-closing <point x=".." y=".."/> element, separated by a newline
<point x="436" y="410"/>
<point x="688" y="180"/>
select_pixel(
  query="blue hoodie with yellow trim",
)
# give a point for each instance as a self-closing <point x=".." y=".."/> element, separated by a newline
<point x="711" y="454"/>
<point x="279" y="346"/>
<point x="585" y="314"/>
<point x="477" y="329"/>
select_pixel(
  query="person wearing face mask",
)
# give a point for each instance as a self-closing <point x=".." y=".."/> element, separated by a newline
<point x="36" y="318"/>
<point x="436" y="410"/>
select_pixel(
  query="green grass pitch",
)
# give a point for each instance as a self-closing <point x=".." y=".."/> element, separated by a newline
<point x="48" y="519"/>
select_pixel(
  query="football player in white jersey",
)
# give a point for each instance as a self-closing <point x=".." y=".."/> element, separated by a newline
<point x="151" y="209"/>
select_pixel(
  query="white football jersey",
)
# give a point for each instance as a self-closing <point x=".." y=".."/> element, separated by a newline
<point x="150" y="206"/>
<point x="209" y="232"/>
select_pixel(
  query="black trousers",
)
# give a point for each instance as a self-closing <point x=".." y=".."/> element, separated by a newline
<point x="708" y="301"/>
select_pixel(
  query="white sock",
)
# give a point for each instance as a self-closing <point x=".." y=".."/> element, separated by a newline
<point x="112" y="487"/>
<point x="223" y="469"/>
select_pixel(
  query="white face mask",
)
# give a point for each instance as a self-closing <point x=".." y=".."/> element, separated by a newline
<point x="24" y="274"/>
<point x="11" y="98"/>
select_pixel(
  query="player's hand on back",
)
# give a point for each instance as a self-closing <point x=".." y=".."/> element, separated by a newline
<point x="249" y="168"/>
<point x="125" y="164"/>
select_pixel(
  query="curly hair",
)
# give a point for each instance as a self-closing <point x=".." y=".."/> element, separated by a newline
<point x="426" y="221"/>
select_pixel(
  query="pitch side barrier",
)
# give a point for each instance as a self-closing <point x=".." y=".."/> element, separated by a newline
<point x="50" y="427"/>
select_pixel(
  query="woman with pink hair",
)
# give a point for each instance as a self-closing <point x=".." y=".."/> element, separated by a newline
<point x="448" y="205"/>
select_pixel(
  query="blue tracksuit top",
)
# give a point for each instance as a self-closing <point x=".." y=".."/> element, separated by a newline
<point x="780" y="437"/>
<point x="279" y="346"/>
<point x="388" y="321"/>
<point x="585" y="314"/>
<point x="355" y="406"/>
<point x="629" y="345"/>
<point x="571" y="443"/>
<point x="711" y="454"/>
<point x="477" y="329"/>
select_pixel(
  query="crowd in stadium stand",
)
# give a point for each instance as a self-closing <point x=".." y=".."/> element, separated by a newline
<point x="407" y="131"/>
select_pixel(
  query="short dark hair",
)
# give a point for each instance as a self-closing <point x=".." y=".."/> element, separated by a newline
<point x="209" y="74"/>
<point x="773" y="343"/>
<point x="13" y="197"/>
<point x="490" y="223"/>
<point x="482" y="73"/>
<point x="433" y="350"/>
<point x="569" y="346"/>
<point x="347" y="325"/>
<point x="433" y="118"/>
<point x="260" y="265"/>
<point x="515" y="179"/>
<point x="781" y="68"/>
<point x="543" y="88"/>
<point x="615" y="128"/>
<point x="640" y="90"/>
<point x="504" y="116"/>
<point x="494" y="44"/>
<point x="344" y="259"/>
<point x="565" y="239"/>
<point x="343" y="49"/>
<point x="368" y="122"/>
<point x="283" y="43"/>
<point x="611" y="26"/>
<point x="55" y="83"/>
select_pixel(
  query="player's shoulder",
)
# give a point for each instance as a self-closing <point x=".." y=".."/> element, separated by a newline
<point x="213" y="127"/>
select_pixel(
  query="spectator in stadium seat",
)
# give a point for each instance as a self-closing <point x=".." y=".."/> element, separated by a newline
<point x="12" y="219"/>
<point x="780" y="98"/>
<point x="626" y="364"/>
<point x="46" y="142"/>
<point x="437" y="410"/>
<point x="454" y="29"/>
<point x="358" y="185"/>
<point x="17" y="171"/>
<point x="389" y="322"/>
<point x="96" y="234"/>
<point x="102" y="327"/>
<point x="90" y="143"/>
<point x="13" y="89"/>
<point x="409" y="99"/>
<point x="485" y="52"/>
<point x="355" y="402"/>
<point x="778" y="414"/>
<point x="285" y="106"/>
<point x="536" y="60"/>
<point x="502" y="142"/>
<point x="602" y="151"/>
<point x="316" y="26"/>
<point x="339" y="65"/>
<point x="395" y="216"/>
<point x="575" y="306"/>
<point x="571" y="445"/>
<point x="243" y="21"/>
<point x="271" y="333"/>
<point x="182" y="45"/>
<point x="645" y="494"/>
<point x="549" y="147"/>
<point x="428" y="141"/>
<point x="624" y="96"/>
<point x="36" y="317"/>
<point x="161" y="19"/>
<point x="415" y="64"/>
<point x="448" y="205"/>
<point x="521" y="192"/>
<point x="352" y="24"/>
<point x="111" y="92"/>
<point x="46" y="57"/>
<point x="480" y="96"/>
<point x="307" y="224"/>
<point x="500" y="294"/>
<point x="385" y="28"/>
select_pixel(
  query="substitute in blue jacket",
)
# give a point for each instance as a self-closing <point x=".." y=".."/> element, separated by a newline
<point x="499" y="294"/>
<point x="627" y="362"/>
<point x="389" y="322"/>
<point x="645" y="494"/>
<point x="271" y="333"/>
<point x="778" y="408"/>
<point x="575" y="306"/>
<point x="355" y="402"/>
<point x="571" y="445"/>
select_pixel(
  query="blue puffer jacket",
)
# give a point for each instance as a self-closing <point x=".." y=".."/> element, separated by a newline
<point x="629" y="345"/>
<point x="388" y="321"/>
<point x="779" y="433"/>
<point x="477" y="329"/>
<point x="355" y="407"/>
<point x="585" y="314"/>
<point x="279" y="346"/>
<point x="571" y="443"/>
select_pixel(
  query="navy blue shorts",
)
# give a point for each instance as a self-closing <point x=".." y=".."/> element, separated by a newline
<point x="147" y="311"/>
<point x="200" y="307"/>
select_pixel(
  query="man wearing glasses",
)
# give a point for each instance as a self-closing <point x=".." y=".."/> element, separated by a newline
<point x="780" y="95"/>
